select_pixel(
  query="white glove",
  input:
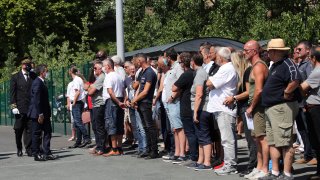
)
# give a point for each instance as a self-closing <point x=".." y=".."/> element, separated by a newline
<point x="15" y="111"/>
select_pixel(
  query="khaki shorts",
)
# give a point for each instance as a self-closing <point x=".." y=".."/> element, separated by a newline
<point x="279" y="119"/>
<point x="259" y="122"/>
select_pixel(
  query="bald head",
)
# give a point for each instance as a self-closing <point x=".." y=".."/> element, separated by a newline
<point x="251" y="50"/>
<point x="252" y="44"/>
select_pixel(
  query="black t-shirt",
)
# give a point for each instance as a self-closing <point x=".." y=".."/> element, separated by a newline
<point x="280" y="75"/>
<point x="184" y="83"/>
<point x="148" y="75"/>
<point x="243" y="87"/>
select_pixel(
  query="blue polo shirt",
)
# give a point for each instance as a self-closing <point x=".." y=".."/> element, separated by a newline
<point x="280" y="75"/>
<point x="148" y="75"/>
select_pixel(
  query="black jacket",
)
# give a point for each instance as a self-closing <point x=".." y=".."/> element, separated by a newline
<point x="20" y="91"/>
<point x="39" y="103"/>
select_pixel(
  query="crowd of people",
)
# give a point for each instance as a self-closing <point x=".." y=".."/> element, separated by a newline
<point x="197" y="102"/>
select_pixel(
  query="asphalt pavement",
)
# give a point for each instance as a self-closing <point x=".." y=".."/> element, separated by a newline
<point x="78" y="164"/>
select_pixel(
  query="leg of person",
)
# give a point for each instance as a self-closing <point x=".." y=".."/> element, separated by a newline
<point x="204" y="136"/>
<point x="142" y="133"/>
<point x="98" y="113"/>
<point x="111" y="120"/>
<point x="18" y="130"/>
<point x="302" y="128"/>
<point x="226" y="125"/>
<point x="252" y="163"/>
<point x="27" y="135"/>
<point x="119" y="126"/>
<point x="79" y="109"/>
<point x="76" y="113"/>
<point x="36" y="133"/>
<point x="132" y="117"/>
<point x="151" y="131"/>
<point x="47" y="130"/>
<point x="284" y="116"/>
<point x="313" y="114"/>
<point x="191" y="136"/>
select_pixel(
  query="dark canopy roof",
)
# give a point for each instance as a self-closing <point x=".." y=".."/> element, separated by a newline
<point x="188" y="45"/>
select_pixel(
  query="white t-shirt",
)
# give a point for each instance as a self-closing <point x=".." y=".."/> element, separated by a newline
<point x="114" y="81"/>
<point x="77" y="84"/>
<point x="207" y="67"/>
<point x="225" y="84"/>
<point x="120" y="71"/>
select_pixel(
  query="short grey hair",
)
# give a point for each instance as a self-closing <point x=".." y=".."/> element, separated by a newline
<point x="117" y="60"/>
<point x="108" y="62"/>
<point x="225" y="53"/>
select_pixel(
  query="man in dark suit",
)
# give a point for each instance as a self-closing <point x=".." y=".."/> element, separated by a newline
<point x="20" y="100"/>
<point x="40" y="113"/>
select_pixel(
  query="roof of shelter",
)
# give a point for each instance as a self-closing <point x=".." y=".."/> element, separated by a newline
<point x="188" y="45"/>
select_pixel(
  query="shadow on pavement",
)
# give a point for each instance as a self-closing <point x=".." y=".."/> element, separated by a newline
<point x="7" y="154"/>
<point x="305" y="169"/>
<point x="2" y="158"/>
<point x="68" y="155"/>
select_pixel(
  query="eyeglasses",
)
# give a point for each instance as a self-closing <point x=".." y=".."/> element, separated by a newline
<point x="95" y="68"/>
<point x="247" y="50"/>
<point x="298" y="49"/>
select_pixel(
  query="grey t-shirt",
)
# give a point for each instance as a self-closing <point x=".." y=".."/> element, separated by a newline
<point x="97" y="99"/>
<point x="200" y="79"/>
<point x="314" y="82"/>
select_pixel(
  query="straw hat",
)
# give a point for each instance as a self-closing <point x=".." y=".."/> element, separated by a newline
<point x="277" y="44"/>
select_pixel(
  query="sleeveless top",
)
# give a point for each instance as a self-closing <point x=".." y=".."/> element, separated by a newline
<point x="252" y="84"/>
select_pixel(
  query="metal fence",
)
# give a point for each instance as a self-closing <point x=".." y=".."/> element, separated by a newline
<point x="57" y="83"/>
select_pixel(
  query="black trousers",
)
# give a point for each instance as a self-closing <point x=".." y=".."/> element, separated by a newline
<point x="100" y="131"/>
<point x="39" y="130"/>
<point x="313" y="114"/>
<point x="145" y="112"/>
<point x="22" y="127"/>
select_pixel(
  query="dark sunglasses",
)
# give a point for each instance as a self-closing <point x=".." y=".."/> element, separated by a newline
<point x="298" y="49"/>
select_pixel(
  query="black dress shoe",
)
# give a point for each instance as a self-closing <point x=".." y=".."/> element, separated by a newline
<point x="29" y="153"/>
<point x="19" y="153"/>
<point x="143" y="155"/>
<point x="152" y="155"/>
<point x="85" y="143"/>
<point x="51" y="157"/>
<point x="74" y="146"/>
<point x="39" y="158"/>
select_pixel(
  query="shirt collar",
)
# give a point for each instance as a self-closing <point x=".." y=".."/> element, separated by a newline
<point x="41" y="79"/>
<point x="24" y="72"/>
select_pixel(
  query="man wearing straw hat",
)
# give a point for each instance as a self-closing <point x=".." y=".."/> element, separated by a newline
<point x="280" y="97"/>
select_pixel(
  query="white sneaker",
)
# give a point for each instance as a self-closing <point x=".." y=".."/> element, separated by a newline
<point x="260" y="174"/>
<point x="253" y="173"/>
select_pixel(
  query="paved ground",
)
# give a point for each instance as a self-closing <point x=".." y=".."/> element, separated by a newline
<point x="77" y="164"/>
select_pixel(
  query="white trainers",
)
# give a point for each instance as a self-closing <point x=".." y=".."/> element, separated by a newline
<point x="260" y="174"/>
<point x="253" y="173"/>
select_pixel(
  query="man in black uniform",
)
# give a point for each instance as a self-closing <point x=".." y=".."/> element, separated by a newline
<point x="20" y="100"/>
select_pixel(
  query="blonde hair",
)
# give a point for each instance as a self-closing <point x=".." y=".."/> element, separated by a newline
<point x="240" y="65"/>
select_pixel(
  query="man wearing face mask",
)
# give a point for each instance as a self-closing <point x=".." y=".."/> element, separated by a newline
<point x="40" y="113"/>
<point x="20" y="100"/>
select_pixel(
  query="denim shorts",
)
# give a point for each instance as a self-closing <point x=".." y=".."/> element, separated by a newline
<point x="173" y="112"/>
<point x="114" y="118"/>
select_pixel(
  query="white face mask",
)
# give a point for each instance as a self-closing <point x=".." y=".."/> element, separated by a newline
<point x="47" y="75"/>
<point x="104" y="69"/>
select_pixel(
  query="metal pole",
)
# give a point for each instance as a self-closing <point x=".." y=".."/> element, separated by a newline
<point x="5" y="103"/>
<point x="52" y="101"/>
<point x="63" y="107"/>
<point x="119" y="22"/>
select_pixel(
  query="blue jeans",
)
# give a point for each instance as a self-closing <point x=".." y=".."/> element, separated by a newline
<point x="77" y="110"/>
<point x="114" y="118"/>
<point x="138" y="131"/>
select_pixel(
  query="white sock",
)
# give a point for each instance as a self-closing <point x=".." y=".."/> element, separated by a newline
<point x="276" y="173"/>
